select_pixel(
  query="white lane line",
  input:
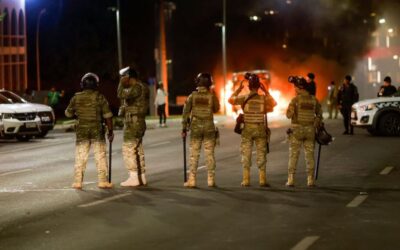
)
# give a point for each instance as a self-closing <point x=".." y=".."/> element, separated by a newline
<point x="357" y="201"/>
<point x="386" y="170"/>
<point x="94" y="203"/>
<point x="159" y="144"/>
<point x="305" y="243"/>
<point x="33" y="147"/>
<point x="254" y="152"/>
<point x="5" y="190"/>
<point x="16" y="172"/>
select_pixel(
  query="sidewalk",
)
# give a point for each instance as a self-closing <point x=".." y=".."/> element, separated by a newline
<point x="151" y="123"/>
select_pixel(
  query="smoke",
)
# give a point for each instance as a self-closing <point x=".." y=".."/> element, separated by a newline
<point x="324" y="37"/>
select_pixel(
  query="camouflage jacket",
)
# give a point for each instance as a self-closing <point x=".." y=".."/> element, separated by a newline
<point x="200" y="105"/>
<point x="304" y="109"/>
<point x="91" y="108"/>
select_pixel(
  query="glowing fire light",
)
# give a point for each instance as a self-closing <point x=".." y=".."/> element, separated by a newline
<point x="282" y="103"/>
<point x="280" y="108"/>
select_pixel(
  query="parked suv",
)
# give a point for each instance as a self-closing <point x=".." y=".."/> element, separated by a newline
<point x="23" y="120"/>
<point x="379" y="115"/>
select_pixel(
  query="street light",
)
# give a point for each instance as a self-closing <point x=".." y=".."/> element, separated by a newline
<point x="116" y="9"/>
<point x="38" y="84"/>
<point x="382" y="21"/>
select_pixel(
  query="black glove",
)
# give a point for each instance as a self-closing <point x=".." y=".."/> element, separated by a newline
<point x="184" y="133"/>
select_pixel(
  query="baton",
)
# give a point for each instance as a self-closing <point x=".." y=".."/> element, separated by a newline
<point x="318" y="157"/>
<point x="109" y="162"/>
<point x="184" y="159"/>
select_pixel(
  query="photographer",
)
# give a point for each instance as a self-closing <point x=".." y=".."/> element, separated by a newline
<point x="255" y="108"/>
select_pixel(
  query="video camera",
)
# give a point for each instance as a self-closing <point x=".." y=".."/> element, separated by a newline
<point x="298" y="81"/>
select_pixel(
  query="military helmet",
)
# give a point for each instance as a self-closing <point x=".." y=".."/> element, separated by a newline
<point x="90" y="81"/>
<point x="322" y="136"/>
<point x="204" y="80"/>
<point x="254" y="81"/>
<point x="128" y="71"/>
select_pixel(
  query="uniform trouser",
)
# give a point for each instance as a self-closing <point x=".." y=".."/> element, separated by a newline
<point x="346" y="112"/>
<point x="133" y="154"/>
<point x="301" y="136"/>
<point x="253" y="133"/>
<point x="332" y="108"/>
<point x="81" y="158"/>
<point x="195" y="147"/>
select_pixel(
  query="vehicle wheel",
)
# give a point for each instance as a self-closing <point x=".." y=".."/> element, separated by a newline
<point x="389" y="124"/>
<point x="43" y="134"/>
<point x="24" y="137"/>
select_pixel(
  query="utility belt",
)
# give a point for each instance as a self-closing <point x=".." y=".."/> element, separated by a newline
<point x="129" y="117"/>
<point x="203" y="119"/>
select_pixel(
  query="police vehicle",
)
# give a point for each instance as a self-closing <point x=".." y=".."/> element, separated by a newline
<point x="23" y="120"/>
<point x="380" y="116"/>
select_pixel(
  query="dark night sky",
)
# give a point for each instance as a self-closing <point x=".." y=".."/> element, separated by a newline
<point x="80" y="36"/>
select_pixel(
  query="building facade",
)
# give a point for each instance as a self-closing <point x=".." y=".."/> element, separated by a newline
<point x="13" y="56"/>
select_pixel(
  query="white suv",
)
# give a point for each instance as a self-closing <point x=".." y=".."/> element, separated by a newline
<point x="379" y="115"/>
<point x="21" y="119"/>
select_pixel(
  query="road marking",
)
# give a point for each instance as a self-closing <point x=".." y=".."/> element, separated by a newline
<point x="254" y="152"/>
<point x="94" y="203"/>
<point x="159" y="144"/>
<point x="386" y="170"/>
<point x="33" y="147"/>
<point x="5" y="190"/>
<point x="305" y="243"/>
<point x="357" y="200"/>
<point x="16" y="172"/>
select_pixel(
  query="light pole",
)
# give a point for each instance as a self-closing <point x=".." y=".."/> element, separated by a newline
<point x="223" y="33"/>
<point x="119" y="35"/>
<point x="117" y="16"/>
<point x="38" y="84"/>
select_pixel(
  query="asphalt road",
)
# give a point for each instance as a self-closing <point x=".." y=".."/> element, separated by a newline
<point x="355" y="206"/>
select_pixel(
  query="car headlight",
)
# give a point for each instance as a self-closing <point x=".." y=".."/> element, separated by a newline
<point x="8" y="116"/>
<point x="368" y="107"/>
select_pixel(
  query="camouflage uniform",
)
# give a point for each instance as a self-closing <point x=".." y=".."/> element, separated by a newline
<point x="199" y="108"/>
<point x="305" y="112"/>
<point x="254" y="131"/>
<point x="136" y="98"/>
<point x="91" y="108"/>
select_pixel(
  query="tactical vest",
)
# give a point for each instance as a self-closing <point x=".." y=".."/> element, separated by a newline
<point x="305" y="110"/>
<point x="202" y="105"/>
<point x="88" y="108"/>
<point x="139" y="106"/>
<point x="254" y="110"/>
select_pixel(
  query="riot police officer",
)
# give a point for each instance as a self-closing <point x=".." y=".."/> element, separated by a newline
<point x="305" y="113"/>
<point x="199" y="109"/>
<point x="255" y="108"/>
<point x="135" y="98"/>
<point x="91" y="109"/>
